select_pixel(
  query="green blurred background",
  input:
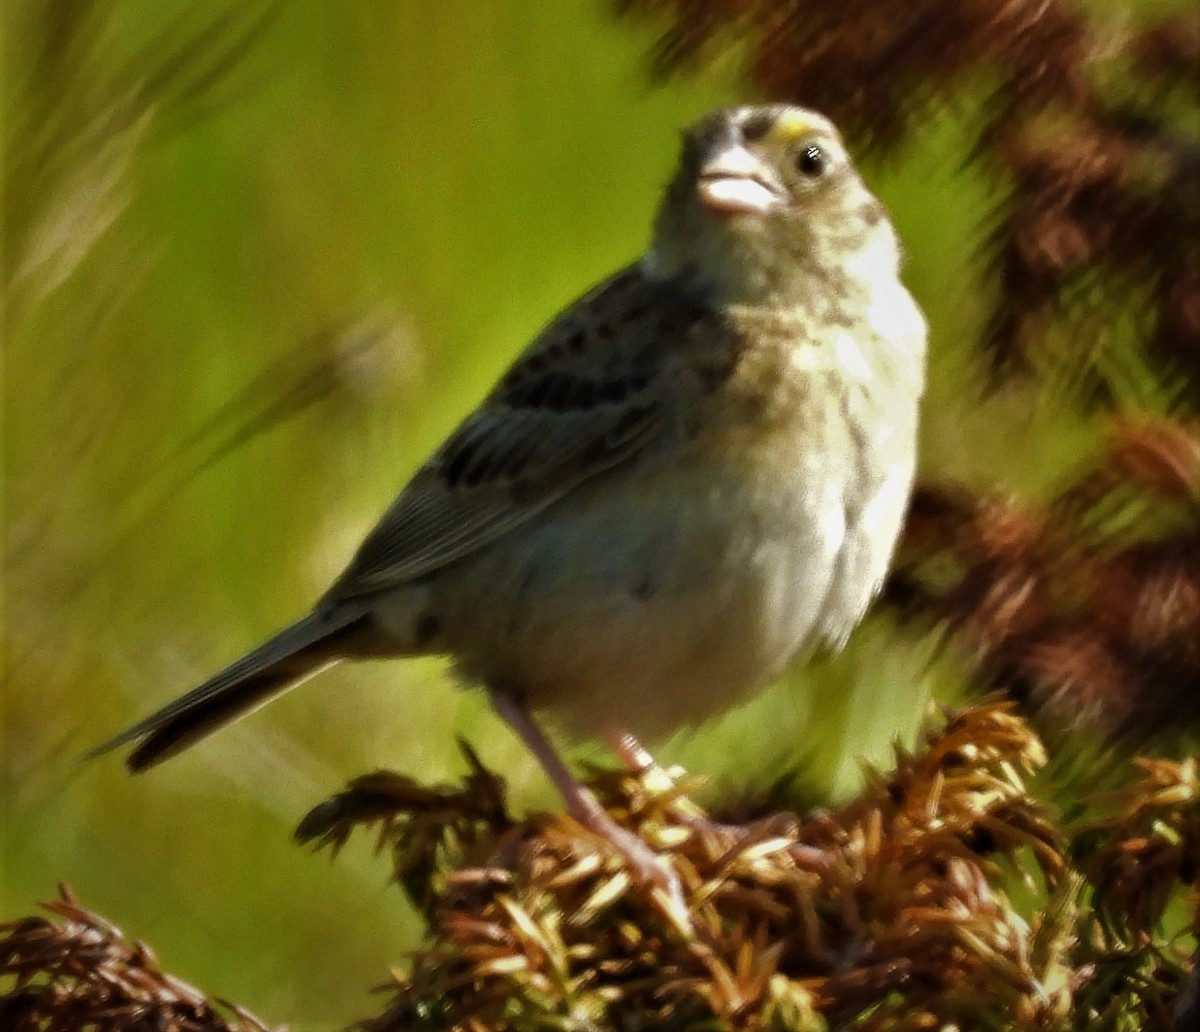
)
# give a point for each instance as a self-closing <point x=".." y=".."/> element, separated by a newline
<point x="258" y="261"/>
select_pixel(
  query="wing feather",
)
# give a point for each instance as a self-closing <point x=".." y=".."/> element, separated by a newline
<point x="586" y="396"/>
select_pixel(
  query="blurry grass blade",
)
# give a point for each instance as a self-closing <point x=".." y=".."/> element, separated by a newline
<point x="288" y="386"/>
<point x="191" y="69"/>
<point x="70" y="151"/>
<point x="310" y="373"/>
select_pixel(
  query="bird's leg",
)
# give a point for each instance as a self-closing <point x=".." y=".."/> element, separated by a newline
<point x="582" y="804"/>
<point x="633" y="754"/>
<point x="639" y="761"/>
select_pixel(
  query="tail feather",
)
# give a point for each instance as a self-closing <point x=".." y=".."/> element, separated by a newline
<point x="293" y="654"/>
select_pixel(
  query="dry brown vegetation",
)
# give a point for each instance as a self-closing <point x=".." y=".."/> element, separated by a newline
<point x="947" y="894"/>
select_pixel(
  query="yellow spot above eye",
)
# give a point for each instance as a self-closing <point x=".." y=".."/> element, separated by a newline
<point x="793" y="124"/>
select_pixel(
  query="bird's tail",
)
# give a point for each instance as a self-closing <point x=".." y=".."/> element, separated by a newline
<point x="293" y="654"/>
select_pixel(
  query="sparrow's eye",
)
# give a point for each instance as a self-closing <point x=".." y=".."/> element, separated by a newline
<point x="812" y="162"/>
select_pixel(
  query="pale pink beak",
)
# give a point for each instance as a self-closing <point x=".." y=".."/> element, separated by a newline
<point x="735" y="181"/>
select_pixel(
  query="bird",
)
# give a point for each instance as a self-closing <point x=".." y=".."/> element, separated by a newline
<point x="693" y="476"/>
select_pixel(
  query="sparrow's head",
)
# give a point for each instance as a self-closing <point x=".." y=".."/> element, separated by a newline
<point x="764" y="201"/>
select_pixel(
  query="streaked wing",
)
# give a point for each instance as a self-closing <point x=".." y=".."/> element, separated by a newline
<point x="586" y="396"/>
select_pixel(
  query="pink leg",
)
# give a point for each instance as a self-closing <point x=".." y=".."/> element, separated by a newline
<point x="582" y="805"/>
<point x="638" y="760"/>
<point x="632" y="753"/>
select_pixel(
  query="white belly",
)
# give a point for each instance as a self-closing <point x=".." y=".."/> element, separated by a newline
<point x="648" y="613"/>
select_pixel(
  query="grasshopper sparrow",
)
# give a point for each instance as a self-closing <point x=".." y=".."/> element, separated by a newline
<point x="695" y="473"/>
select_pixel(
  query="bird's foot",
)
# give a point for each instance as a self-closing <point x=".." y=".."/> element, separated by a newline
<point x="647" y="867"/>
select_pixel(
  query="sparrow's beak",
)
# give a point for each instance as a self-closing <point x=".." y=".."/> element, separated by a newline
<point x="734" y="180"/>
